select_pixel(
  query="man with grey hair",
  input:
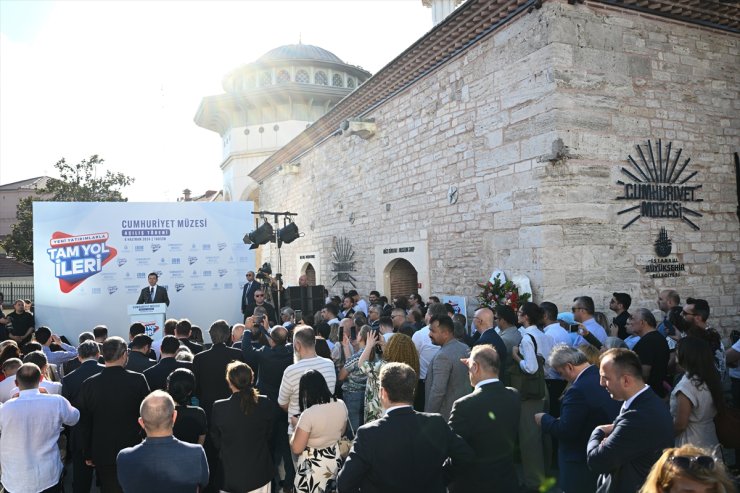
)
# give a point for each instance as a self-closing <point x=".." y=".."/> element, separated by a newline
<point x="287" y="318"/>
<point x="29" y="431"/>
<point x="87" y="354"/>
<point x="161" y="462"/>
<point x="652" y="348"/>
<point x="109" y="407"/>
<point x="585" y="405"/>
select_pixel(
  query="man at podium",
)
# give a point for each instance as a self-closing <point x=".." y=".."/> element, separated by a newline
<point x="153" y="293"/>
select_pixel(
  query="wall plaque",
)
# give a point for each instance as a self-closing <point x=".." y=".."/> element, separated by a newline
<point x="661" y="185"/>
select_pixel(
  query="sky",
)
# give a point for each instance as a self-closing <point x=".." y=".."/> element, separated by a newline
<point x="123" y="79"/>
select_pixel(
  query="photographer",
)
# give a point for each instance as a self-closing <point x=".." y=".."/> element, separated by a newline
<point x="259" y="301"/>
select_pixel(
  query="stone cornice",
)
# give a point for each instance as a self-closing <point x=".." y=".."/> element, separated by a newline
<point x="469" y="23"/>
<point x="718" y="14"/>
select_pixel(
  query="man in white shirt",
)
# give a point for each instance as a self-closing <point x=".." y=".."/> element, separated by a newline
<point x="24" y="445"/>
<point x="583" y="312"/>
<point x="556" y="332"/>
<point x="39" y="359"/>
<point x="360" y="304"/>
<point x="426" y="350"/>
<point x="304" y="349"/>
<point x="10" y="366"/>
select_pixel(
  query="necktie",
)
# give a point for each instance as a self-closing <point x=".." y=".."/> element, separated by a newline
<point x="151" y="293"/>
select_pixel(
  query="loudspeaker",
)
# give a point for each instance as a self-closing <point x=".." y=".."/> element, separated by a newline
<point x="308" y="299"/>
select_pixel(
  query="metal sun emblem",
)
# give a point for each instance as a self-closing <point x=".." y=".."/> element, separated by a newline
<point x="658" y="181"/>
<point x="342" y="263"/>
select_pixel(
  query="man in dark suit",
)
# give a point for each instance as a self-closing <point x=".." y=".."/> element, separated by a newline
<point x="138" y="356"/>
<point x="87" y="354"/>
<point x="484" y="321"/>
<point x="210" y="383"/>
<point x="250" y="287"/>
<point x="492" y="440"/>
<point x="259" y="302"/>
<point x="109" y="413"/>
<point x="585" y="405"/>
<point x="622" y="453"/>
<point x="183" y="330"/>
<point x="156" y="376"/>
<point x="404" y="450"/>
<point x="153" y="293"/>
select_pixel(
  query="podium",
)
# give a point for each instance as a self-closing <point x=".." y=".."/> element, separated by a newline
<point x="152" y="315"/>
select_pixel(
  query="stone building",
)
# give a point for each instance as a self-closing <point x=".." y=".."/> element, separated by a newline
<point x="587" y="145"/>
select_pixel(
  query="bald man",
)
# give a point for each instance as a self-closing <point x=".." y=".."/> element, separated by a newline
<point x="161" y="463"/>
<point x="484" y="322"/>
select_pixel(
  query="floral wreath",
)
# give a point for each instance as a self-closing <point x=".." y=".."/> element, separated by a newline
<point x="498" y="293"/>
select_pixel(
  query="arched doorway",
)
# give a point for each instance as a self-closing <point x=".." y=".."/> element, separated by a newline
<point x="403" y="278"/>
<point x="310" y="273"/>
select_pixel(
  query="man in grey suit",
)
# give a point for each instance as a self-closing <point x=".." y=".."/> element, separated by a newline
<point x="447" y="376"/>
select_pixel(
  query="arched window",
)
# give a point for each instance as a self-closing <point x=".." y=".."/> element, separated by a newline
<point x="301" y="77"/>
<point x="321" y="79"/>
<point x="350" y="82"/>
<point x="283" y="76"/>
<point x="337" y="81"/>
<point x="265" y="79"/>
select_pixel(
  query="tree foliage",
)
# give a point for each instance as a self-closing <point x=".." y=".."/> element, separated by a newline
<point x="76" y="183"/>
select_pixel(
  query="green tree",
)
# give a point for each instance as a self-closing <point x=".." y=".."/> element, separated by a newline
<point x="76" y="183"/>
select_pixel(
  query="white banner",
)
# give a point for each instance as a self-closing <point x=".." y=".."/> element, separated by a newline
<point x="91" y="261"/>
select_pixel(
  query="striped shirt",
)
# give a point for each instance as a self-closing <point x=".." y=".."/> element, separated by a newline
<point x="292" y="377"/>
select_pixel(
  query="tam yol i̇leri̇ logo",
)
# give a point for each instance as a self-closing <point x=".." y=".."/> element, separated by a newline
<point x="78" y="257"/>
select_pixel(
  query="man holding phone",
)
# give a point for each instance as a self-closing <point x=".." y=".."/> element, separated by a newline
<point x="259" y="301"/>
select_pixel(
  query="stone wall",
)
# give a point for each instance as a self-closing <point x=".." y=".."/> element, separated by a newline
<point x="532" y="125"/>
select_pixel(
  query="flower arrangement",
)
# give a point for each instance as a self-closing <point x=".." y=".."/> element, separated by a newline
<point x="501" y="293"/>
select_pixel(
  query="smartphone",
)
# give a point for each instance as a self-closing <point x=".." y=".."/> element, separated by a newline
<point x="574" y="327"/>
<point x="352" y="333"/>
<point x="259" y="319"/>
<point x="298" y="316"/>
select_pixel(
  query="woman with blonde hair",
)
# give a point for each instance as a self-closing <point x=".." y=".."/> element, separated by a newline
<point x="399" y="349"/>
<point x="687" y="469"/>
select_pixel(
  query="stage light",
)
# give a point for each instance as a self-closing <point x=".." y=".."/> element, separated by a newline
<point x="288" y="234"/>
<point x="259" y="236"/>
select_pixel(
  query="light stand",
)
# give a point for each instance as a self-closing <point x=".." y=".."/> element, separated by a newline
<point x="279" y="243"/>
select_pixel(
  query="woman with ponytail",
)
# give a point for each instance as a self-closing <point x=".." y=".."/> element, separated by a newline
<point x="241" y="428"/>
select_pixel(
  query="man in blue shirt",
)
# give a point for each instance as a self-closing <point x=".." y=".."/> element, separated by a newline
<point x="161" y="463"/>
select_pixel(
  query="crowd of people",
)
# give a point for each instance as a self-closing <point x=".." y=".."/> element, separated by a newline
<point x="375" y="395"/>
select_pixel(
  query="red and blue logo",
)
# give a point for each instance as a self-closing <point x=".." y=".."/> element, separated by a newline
<point x="77" y="258"/>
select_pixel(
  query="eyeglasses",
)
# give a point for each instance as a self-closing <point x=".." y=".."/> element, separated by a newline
<point x="694" y="462"/>
<point x="684" y="313"/>
<point x="259" y="295"/>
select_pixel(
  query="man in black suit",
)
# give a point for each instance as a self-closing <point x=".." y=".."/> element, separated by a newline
<point x="87" y="354"/>
<point x="492" y="440"/>
<point x="156" y="376"/>
<point x="210" y="382"/>
<point x="138" y="356"/>
<point x="183" y="330"/>
<point x="623" y="452"/>
<point x="585" y="405"/>
<point x="109" y="413"/>
<point x="404" y="450"/>
<point x="153" y="293"/>
<point x="484" y="321"/>
<point x="250" y="287"/>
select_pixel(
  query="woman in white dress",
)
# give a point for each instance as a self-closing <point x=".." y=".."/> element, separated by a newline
<point x="696" y="397"/>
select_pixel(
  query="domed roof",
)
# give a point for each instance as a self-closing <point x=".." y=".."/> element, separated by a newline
<point x="299" y="52"/>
